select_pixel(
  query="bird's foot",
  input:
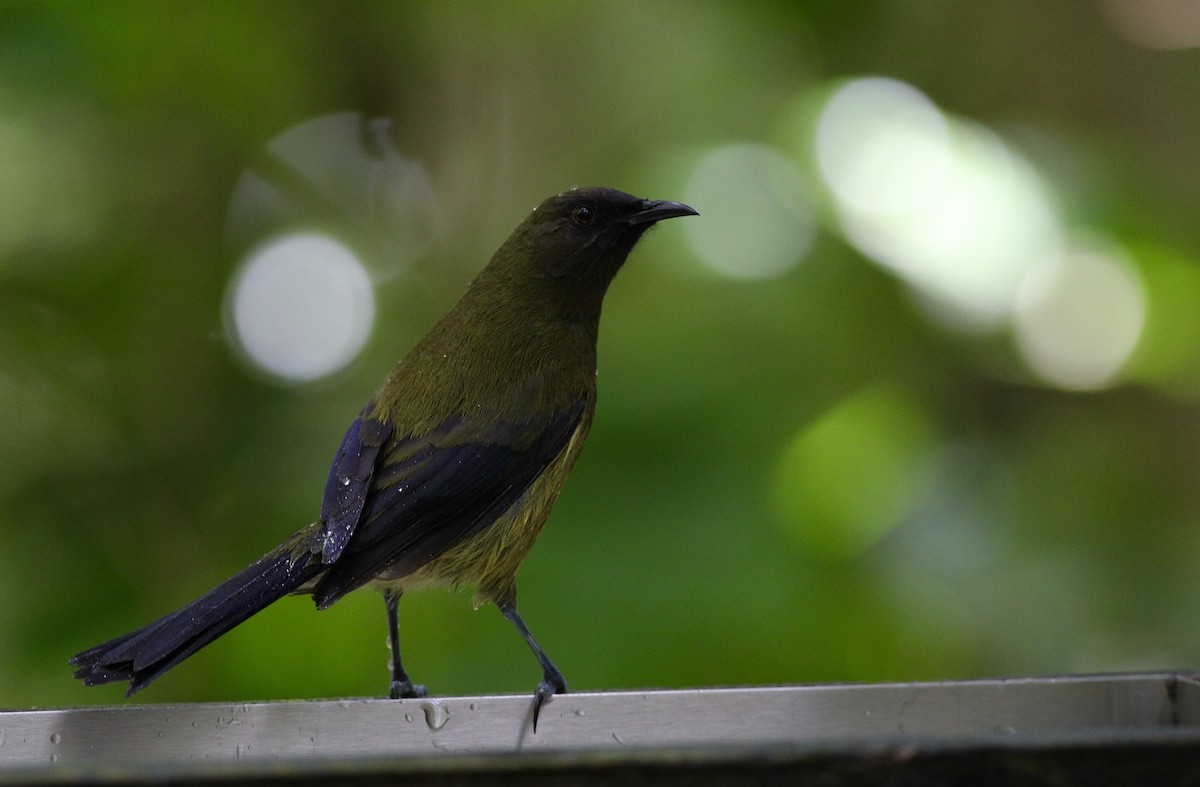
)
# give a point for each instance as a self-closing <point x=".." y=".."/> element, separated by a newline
<point x="552" y="683"/>
<point x="404" y="689"/>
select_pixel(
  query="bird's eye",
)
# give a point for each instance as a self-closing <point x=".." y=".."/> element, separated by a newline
<point x="583" y="215"/>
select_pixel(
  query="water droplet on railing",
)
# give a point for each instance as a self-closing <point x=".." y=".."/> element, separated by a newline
<point x="436" y="714"/>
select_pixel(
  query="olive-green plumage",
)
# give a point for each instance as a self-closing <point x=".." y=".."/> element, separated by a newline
<point x="450" y="471"/>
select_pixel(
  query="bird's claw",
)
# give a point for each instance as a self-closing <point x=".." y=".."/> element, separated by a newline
<point x="404" y="690"/>
<point x="550" y="685"/>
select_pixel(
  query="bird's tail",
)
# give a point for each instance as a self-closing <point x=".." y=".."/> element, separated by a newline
<point x="142" y="656"/>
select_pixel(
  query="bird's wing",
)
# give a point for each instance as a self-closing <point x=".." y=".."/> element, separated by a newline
<point x="424" y="494"/>
<point x="349" y="481"/>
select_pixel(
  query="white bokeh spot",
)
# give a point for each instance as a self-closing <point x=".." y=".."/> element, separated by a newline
<point x="943" y="203"/>
<point x="758" y="221"/>
<point x="1080" y="317"/>
<point x="301" y="307"/>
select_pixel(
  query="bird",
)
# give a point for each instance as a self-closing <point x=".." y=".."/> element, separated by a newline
<point x="449" y="472"/>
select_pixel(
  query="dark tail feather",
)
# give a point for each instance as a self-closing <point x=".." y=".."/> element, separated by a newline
<point x="141" y="656"/>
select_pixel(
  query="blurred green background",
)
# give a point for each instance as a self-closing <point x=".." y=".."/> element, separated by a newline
<point x="914" y="398"/>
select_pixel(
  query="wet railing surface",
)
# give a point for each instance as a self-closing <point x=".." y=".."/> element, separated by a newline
<point x="706" y="728"/>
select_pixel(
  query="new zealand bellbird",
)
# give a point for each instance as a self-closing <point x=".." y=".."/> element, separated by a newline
<point x="447" y="475"/>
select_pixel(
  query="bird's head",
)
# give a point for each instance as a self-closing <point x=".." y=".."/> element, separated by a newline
<point x="585" y="234"/>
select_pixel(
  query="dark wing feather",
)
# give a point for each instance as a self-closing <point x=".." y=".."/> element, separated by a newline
<point x="349" y="482"/>
<point x="430" y="492"/>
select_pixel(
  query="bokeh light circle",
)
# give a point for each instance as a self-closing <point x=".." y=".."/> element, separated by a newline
<point x="301" y="307"/>
<point x="758" y="221"/>
<point x="1080" y="317"/>
<point x="1156" y="24"/>
<point x="943" y="203"/>
<point x="882" y="146"/>
<point x="848" y="478"/>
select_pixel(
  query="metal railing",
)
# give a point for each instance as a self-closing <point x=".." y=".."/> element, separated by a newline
<point x="705" y="727"/>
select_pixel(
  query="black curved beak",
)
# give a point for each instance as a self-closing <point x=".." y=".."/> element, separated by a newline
<point x="657" y="210"/>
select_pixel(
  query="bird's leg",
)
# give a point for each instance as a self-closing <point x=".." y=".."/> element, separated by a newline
<point x="402" y="686"/>
<point x="552" y="680"/>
